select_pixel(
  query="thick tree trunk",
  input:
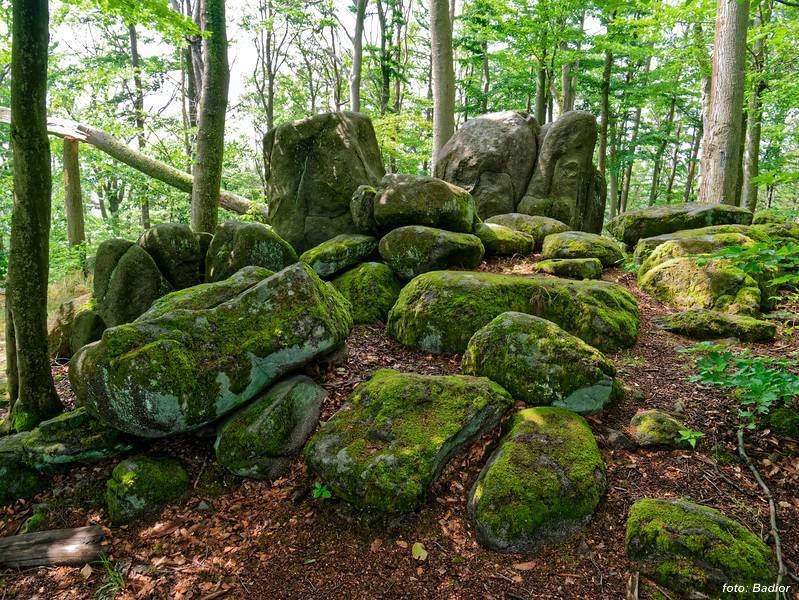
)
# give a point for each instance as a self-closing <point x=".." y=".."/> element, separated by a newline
<point x="604" y="115"/>
<point x="34" y="397"/>
<point x="73" y="198"/>
<point x="443" y="75"/>
<point x="692" y="162"/>
<point x="211" y="124"/>
<point x="357" y="55"/>
<point x="723" y="134"/>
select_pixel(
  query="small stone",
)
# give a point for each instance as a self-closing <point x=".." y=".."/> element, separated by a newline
<point x="618" y="439"/>
<point x="571" y="268"/>
<point x="140" y="487"/>
<point x="579" y="244"/>
<point x="657" y="428"/>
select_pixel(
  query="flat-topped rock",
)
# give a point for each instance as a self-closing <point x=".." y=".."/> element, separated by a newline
<point x="499" y="240"/>
<point x="579" y="244"/>
<point x="692" y="246"/>
<point x="339" y="253"/>
<point x="543" y="483"/>
<point x="634" y="225"/>
<point x="571" y="268"/>
<point x="702" y="324"/>
<point x="385" y="447"/>
<point x="645" y="246"/>
<point x="413" y="250"/>
<point x="537" y="226"/>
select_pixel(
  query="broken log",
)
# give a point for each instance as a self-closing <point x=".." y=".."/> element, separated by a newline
<point x="48" y="548"/>
<point x="64" y="128"/>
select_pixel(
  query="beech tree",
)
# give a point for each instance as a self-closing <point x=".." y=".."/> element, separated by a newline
<point x="443" y="75"/>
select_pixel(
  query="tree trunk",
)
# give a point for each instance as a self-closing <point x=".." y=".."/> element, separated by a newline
<point x="674" y="159"/>
<point x="73" y="198"/>
<point x="211" y="126"/>
<point x="357" y="56"/>
<point x="443" y="75"/>
<point x="567" y="84"/>
<point x="628" y="171"/>
<point x="34" y="397"/>
<point x="693" y="161"/>
<point x="138" y="109"/>
<point x="661" y="149"/>
<point x="541" y="95"/>
<point x="605" y="112"/>
<point x="385" y="59"/>
<point x="723" y="134"/>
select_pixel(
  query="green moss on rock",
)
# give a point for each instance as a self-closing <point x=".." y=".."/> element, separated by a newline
<point x="140" y="487"/>
<point x="542" y="484"/>
<point x="261" y="440"/>
<point x="176" y="251"/>
<point x="657" y="428"/>
<point x="785" y="421"/>
<point x="413" y="250"/>
<point x="339" y="253"/>
<point x="539" y="363"/>
<point x="384" y="448"/>
<point x="692" y="246"/>
<point x="17" y="478"/>
<point x="372" y="290"/>
<point x="702" y="324"/>
<point x="537" y="226"/>
<point x="579" y="244"/>
<point x="693" y="550"/>
<point x="499" y="240"/>
<point x="238" y="244"/>
<point x="726" y="234"/>
<point x="61" y="323"/>
<point x="571" y="268"/>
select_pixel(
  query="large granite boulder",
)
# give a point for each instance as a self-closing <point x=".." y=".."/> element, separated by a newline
<point x="695" y="551"/>
<point x="499" y="240"/>
<point x="492" y="157"/>
<point x="176" y="251"/>
<point x="262" y="439"/>
<point x="126" y="281"/>
<point x="87" y="327"/>
<point x="691" y="246"/>
<point x="401" y="200"/>
<point x="313" y="167"/>
<point x="141" y="486"/>
<point x="413" y="250"/>
<point x="17" y="478"/>
<point x="633" y="225"/>
<point x="385" y="447"/>
<point x="339" y="253"/>
<point x="542" y="484"/>
<point x="372" y="290"/>
<point x="537" y="226"/>
<point x="720" y="235"/>
<point x="571" y="268"/>
<point x="237" y="244"/>
<point x="440" y="311"/>
<point x="565" y="184"/>
<point x="702" y="324"/>
<point x="539" y="363"/>
<point x="579" y="244"/>
<point x="185" y="369"/>
<point x="61" y="323"/>
<point x="715" y="285"/>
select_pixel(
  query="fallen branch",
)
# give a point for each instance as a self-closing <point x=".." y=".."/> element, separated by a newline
<point x="782" y="570"/>
<point x="64" y="128"/>
<point x="57" y="547"/>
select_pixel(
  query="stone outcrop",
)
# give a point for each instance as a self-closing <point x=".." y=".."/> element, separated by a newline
<point x="237" y="244"/>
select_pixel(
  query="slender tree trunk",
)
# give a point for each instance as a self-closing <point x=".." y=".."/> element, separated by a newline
<point x="73" y="198"/>
<point x="628" y="171"/>
<point x="723" y="134"/>
<point x="692" y="162"/>
<point x="486" y="78"/>
<point x="675" y="157"/>
<point x="211" y="128"/>
<point x="739" y="181"/>
<point x="443" y="75"/>
<point x="604" y="116"/>
<point x="34" y="396"/>
<point x="385" y="59"/>
<point x="138" y="109"/>
<point x="357" y="55"/>
<point x="661" y="149"/>
<point x="541" y="95"/>
<point x="567" y="83"/>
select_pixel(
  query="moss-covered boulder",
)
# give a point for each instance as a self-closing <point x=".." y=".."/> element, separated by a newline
<point x="771" y="216"/>
<point x="141" y="486"/>
<point x="87" y="327"/>
<point x="539" y="363"/>
<point x="579" y="244"/>
<point x="60" y="325"/>
<point x="657" y="428"/>
<point x="537" y="226"/>
<point x="631" y="226"/>
<point x="718" y="236"/>
<point x="339" y="253"/>
<point x="693" y="550"/>
<point x="126" y="282"/>
<point x="571" y="268"/>
<point x="372" y="290"/>
<point x="187" y="368"/>
<point x="385" y="447"/>
<point x="702" y="324"/>
<point x="775" y="232"/>
<point x="784" y="421"/>
<point x="715" y="285"/>
<point x="413" y="250"/>
<point x="237" y="244"/>
<point x="400" y="200"/>
<point x="499" y="240"/>
<point x="542" y="484"/>
<point x="72" y="437"/>
<point x="207" y="295"/>
<point x="176" y="251"/>
<point x="17" y="478"/>
<point x="261" y="439"/>
<point x="440" y="311"/>
<point x="692" y="246"/>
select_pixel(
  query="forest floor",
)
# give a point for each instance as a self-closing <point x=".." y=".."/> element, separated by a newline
<point x="234" y="538"/>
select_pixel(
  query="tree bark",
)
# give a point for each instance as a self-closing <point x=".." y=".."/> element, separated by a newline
<point x="34" y="398"/>
<point x="357" y="55"/>
<point x="675" y="157"/>
<point x="211" y="120"/>
<point x="443" y="75"/>
<point x="138" y="109"/>
<point x="605" y="112"/>
<point x="541" y="95"/>
<point x="693" y="161"/>
<point x="723" y="134"/>
<point x="73" y="197"/>
<point x="661" y="149"/>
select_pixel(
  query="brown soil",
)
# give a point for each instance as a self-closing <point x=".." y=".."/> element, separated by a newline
<point x="233" y="538"/>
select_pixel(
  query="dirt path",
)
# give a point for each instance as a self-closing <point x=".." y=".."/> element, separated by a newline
<point x="233" y="538"/>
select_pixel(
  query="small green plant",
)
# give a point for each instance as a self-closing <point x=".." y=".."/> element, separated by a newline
<point x="777" y="261"/>
<point x="115" y="583"/>
<point x="321" y="491"/>
<point x="687" y="435"/>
